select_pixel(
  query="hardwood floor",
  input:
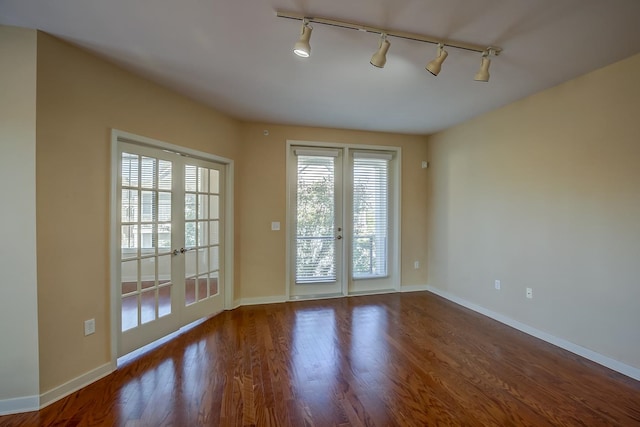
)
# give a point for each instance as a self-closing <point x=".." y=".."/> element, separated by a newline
<point x="398" y="359"/>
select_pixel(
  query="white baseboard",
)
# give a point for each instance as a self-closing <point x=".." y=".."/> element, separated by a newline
<point x="598" y="358"/>
<point x="414" y="288"/>
<point x="75" y="384"/>
<point x="19" y="404"/>
<point x="34" y="403"/>
<point x="262" y="300"/>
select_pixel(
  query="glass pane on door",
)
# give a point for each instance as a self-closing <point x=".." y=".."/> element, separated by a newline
<point x="370" y="217"/>
<point x="315" y="220"/>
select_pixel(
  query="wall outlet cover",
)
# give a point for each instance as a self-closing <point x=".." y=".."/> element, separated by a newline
<point x="89" y="327"/>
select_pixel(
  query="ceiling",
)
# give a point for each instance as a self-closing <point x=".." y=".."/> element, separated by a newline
<point x="236" y="55"/>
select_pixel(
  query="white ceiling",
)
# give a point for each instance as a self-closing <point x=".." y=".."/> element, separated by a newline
<point x="235" y="55"/>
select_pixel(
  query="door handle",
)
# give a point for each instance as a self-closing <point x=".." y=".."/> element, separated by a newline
<point x="181" y="251"/>
<point x="339" y="237"/>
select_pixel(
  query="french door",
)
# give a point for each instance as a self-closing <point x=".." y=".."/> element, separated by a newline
<point x="316" y="192"/>
<point x="170" y="225"/>
<point x="343" y="221"/>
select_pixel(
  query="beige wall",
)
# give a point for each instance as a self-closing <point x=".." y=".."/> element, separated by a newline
<point x="262" y="186"/>
<point x="80" y="98"/>
<point x="545" y="193"/>
<point x="18" y="286"/>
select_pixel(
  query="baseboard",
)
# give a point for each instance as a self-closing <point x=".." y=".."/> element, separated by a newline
<point x="19" y="404"/>
<point x="34" y="403"/>
<point x="76" y="384"/>
<point x="414" y="288"/>
<point x="598" y="358"/>
<point x="262" y="300"/>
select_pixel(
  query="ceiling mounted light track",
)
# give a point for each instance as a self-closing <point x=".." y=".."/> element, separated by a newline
<point x="302" y="47"/>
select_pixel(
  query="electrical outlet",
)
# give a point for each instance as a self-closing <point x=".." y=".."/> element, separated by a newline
<point x="89" y="327"/>
<point x="416" y="264"/>
<point x="497" y="284"/>
<point x="529" y="293"/>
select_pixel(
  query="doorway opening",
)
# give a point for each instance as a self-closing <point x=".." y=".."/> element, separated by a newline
<point x="343" y="219"/>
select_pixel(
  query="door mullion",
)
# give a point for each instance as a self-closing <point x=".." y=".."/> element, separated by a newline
<point x="347" y="208"/>
<point x="177" y="236"/>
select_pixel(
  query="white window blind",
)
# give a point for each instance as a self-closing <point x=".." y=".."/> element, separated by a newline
<point x="315" y="209"/>
<point x="370" y="215"/>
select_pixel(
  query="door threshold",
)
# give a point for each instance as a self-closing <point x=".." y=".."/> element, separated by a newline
<point x="314" y="297"/>
<point x="373" y="292"/>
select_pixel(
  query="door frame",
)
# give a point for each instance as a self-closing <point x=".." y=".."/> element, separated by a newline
<point x="394" y="256"/>
<point x="114" y="240"/>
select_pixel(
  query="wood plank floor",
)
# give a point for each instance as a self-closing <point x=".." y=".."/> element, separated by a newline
<point x="387" y="360"/>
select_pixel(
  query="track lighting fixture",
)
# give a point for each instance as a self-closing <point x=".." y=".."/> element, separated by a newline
<point x="435" y="66"/>
<point x="380" y="57"/>
<point x="302" y="47"/>
<point x="483" y="73"/>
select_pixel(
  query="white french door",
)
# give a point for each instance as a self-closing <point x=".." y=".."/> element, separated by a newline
<point x="343" y="221"/>
<point x="170" y="225"/>
<point x="316" y="192"/>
